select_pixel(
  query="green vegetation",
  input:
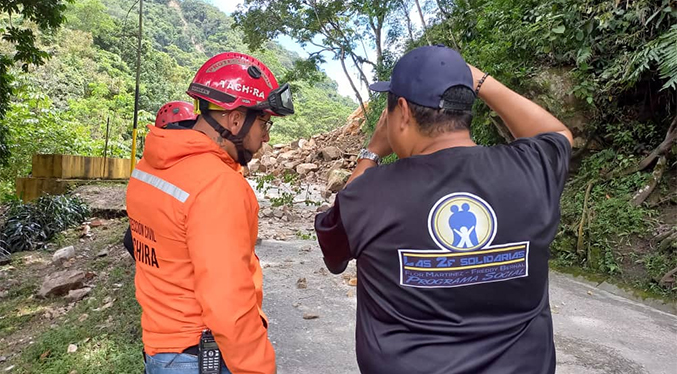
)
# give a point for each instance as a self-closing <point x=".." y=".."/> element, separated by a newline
<point x="65" y="105"/>
<point x="29" y="226"/>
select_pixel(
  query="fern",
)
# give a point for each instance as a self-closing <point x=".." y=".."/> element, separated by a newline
<point x="662" y="52"/>
<point x="667" y="61"/>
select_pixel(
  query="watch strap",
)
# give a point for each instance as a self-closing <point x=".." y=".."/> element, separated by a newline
<point x="367" y="154"/>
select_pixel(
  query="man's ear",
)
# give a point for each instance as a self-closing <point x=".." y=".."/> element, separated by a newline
<point x="234" y="122"/>
<point x="404" y="113"/>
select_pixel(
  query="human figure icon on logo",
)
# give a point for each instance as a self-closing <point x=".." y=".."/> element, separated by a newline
<point x="463" y="223"/>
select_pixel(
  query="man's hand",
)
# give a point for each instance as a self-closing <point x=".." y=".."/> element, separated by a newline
<point x="379" y="143"/>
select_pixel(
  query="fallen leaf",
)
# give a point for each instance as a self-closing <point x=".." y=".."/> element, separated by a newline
<point x="302" y="283"/>
<point x="352" y="282"/>
<point x="45" y="354"/>
<point x="310" y="316"/>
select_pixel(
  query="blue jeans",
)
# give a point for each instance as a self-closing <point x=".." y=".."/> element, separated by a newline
<point x="174" y="363"/>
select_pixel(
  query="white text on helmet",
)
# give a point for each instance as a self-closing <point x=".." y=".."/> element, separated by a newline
<point x="230" y="85"/>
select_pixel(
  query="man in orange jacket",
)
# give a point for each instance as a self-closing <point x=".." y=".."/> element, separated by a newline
<point x="194" y="222"/>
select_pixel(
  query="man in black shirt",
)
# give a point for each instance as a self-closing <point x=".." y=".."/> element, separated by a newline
<point x="452" y="240"/>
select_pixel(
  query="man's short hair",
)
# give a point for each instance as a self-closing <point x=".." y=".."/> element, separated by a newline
<point x="455" y="115"/>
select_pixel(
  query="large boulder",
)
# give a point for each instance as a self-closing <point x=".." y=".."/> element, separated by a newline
<point x="287" y="156"/>
<point x="268" y="161"/>
<point x="337" y="180"/>
<point x="304" y="169"/>
<point x="266" y="149"/>
<point x="291" y="165"/>
<point x="338" y="164"/>
<point x="331" y="153"/>
<point x="59" y="283"/>
<point x="254" y="165"/>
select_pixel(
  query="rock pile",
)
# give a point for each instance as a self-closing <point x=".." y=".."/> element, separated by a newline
<point x="323" y="159"/>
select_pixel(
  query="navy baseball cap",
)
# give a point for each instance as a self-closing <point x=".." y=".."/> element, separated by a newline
<point x="423" y="75"/>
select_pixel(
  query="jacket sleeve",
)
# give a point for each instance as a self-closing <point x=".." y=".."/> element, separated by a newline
<point x="219" y="227"/>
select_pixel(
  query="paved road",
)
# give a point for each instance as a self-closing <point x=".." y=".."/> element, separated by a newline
<point x="596" y="331"/>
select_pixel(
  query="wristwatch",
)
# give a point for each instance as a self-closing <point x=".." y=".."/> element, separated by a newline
<point x="365" y="153"/>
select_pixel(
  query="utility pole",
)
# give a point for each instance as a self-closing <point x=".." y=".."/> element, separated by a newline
<point x="136" y="92"/>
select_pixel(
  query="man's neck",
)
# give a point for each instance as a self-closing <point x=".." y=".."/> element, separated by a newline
<point x="203" y="127"/>
<point x="428" y="145"/>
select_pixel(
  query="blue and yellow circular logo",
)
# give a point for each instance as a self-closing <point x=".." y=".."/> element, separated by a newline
<point x="462" y="222"/>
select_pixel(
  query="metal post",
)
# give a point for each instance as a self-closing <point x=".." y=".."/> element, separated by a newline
<point x="105" y="148"/>
<point x="136" y="92"/>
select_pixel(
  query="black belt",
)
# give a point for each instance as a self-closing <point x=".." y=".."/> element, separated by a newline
<point x="195" y="351"/>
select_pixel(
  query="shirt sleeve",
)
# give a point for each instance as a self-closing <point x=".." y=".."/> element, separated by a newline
<point x="333" y="238"/>
<point x="221" y="247"/>
<point x="553" y="147"/>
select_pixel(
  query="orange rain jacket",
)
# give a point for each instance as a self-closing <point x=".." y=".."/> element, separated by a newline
<point x="194" y="222"/>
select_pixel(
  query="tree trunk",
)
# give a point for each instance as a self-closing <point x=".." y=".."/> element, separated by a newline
<point x="665" y="146"/>
<point x="442" y="10"/>
<point x="581" y="226"/>
<point x="425" y="29"/>
<point x="666" y="243"/>
<point x="668" y="278"/>
<point x="656" y="176"/>
<point x="377" y="28"/>
<point x="502" y="130"/>
<point x="363" y="76"/>
<point x="406" y="15"/>
<point x="352" y="84"/>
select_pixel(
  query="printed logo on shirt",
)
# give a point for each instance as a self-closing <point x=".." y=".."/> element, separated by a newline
<point x="462" y="222"/>
<point x="463" y="225"/>
<point x="143" y="252"/>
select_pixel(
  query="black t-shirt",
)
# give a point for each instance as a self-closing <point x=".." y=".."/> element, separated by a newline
<point x="452" y="258"/>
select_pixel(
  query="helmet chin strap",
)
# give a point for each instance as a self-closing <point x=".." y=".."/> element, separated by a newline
<point x="243" y="155"/>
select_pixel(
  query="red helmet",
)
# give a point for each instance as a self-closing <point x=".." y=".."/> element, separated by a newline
<point x="175" y="111"/>
<point x="230" y="80"/>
